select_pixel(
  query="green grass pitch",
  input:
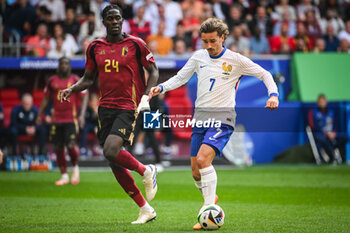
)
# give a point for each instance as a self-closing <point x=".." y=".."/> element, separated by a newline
<point x="256" y="199"/>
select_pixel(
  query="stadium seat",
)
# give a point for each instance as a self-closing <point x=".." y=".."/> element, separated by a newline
<point x="180" y="104"/>
<point x="7" y="113"/>
<point x="38" y="95"/>
<point x="9" y="97"/>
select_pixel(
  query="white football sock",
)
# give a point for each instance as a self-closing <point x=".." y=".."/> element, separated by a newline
<point x="65" y="176"/>
<point x="147" y="171"/>
<point x="198" y="184"/>
<point x="75" y="168"/>
<point x="209" y="181"/>
<point x="147" y="207"/>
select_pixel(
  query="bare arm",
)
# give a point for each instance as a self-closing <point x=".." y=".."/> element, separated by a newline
<point x="84" y="83"/>
<point x="83" y="110"/>
<point x="153" y="77"/>
<point x="43" y="105"/>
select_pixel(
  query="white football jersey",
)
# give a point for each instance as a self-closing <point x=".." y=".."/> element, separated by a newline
<point x="218" y="79"/>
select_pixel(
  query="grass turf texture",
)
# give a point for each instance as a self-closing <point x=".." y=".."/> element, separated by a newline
<point x="257" y="199"/>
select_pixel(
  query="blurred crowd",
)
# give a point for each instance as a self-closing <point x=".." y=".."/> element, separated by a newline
<point x="52" y="28"/>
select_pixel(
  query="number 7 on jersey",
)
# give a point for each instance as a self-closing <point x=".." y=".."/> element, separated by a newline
<point x="212" y="80"/>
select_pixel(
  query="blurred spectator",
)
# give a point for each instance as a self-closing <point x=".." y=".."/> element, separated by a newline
<point x="333" y="5"/>
<point x="3" y="130"/>
<point x="23" y="123"/>
<point x="196" y="7"/>
<point x="207" y="12"/>
<point x="139" y="26"/>
<point x="70" y="46"/>
<point x="282" y="43"/>
<point x="245" y="9"/>
<point x="300" y="45"/>
<point x="332" y="18"/>
<point x="301" y="35"/>
<point x="221" y="9"/>
<point x="180" y="35"/>
<point x="39" y="44"/>
<point x="262" y="21"/>
<point x="180" y="51"/>
<point x="81" y="8"/>
<point x="236" y="18"/>
<point x="171" y="18"/>
<point x="20" y="17"/>
<point x="344" y="46"/>
<point x="345" y="34"/>
<point x="190" y="23"/>
<point x="57" y="7"/>
<point x="150" y="9"/>
<point x="126" y="8"/>
<point x="70" y="24"/>
<point x="45" y="18"/>
<point x="331" y="40"/>
<point x="90" y="125"/>
<point x="58" y="51"/>
<point x="236" y="38"/>
<point x="165" y="44"/>
<point x="84" y="44"/>
<point x="285" y="7"/>
<point x="4" y="6"/>
<point x="312" y="27"/>
<point x="303" y="7"/>
<point x="258" y="43"/>
<point x="292" y="27"/>
<point x="321" y="120"/>
<point x="153" y="47"/>
<point x="90" y="28"/>
<point x="320" y="45"/>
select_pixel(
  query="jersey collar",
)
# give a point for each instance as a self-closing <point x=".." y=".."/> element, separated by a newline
<point x="218" y="56"/>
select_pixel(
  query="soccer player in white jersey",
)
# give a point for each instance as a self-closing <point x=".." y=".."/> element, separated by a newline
<point x="218" y="71"/>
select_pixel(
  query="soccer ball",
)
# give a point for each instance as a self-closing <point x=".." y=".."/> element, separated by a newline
<point x="211" y="217"/>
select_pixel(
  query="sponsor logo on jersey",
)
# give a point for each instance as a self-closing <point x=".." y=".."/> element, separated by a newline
<point x="102" y="52"/>
<point x="123" y="131"/>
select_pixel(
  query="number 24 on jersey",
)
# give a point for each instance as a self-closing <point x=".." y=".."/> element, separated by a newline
<point x="111" y="64"/>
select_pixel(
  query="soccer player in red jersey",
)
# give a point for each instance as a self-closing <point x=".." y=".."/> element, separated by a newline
<point x="64" y="121"/>
<point x="119" y="61"/>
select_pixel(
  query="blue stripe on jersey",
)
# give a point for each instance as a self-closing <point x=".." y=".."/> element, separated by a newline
<point x="218" y="56"/>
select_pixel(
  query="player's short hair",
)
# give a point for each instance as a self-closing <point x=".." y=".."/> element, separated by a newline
<point x="214" y="25"/>
<point x="110" y="7"/>
<point x="64" y="58"/>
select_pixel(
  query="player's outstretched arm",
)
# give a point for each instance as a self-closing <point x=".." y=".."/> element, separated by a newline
<point x="84" y="83"/>
<point x="272" y="103"/>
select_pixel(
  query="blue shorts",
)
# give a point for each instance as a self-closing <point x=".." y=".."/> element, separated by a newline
<point x="216" y="138"/>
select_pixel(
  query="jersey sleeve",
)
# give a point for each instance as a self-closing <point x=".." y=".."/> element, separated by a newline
<point x="181" y="77"/>
<point x="90" y="62"/>
<point x="248" y="67"/>
<point x="146" y="55"/>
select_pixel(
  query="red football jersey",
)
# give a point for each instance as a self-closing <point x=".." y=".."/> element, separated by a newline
<point x="62" y="112"/>
<point x="120" y="70"/>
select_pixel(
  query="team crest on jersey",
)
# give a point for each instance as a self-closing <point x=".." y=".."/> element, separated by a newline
<point x="227" y="69"/>
<point x="124" y="51"/>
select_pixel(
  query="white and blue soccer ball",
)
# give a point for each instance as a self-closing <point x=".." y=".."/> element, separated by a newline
<point x="211" y="217"/>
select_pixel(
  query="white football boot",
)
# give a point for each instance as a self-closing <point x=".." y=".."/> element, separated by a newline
<point x="150" y="181"/>
<point x="145" y="216"/>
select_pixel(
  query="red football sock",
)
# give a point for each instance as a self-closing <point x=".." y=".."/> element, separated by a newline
<point x="127" y="182"/>
<point x="125" y="159"/>
<point x="61" y="160"/>
<point x="73" y="154"/>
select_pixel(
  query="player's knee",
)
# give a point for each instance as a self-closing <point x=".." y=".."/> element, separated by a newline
<point x="111" y="151"/>
<point x="201" y="162"/>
